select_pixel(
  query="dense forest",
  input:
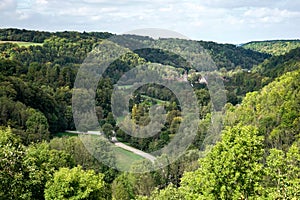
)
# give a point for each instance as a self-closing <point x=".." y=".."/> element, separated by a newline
<point x="274" y="47"/>
<point x="257" y="155"/>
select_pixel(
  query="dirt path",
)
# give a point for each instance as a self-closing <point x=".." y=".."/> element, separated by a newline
<point x="121" y="145"/>
<point x="89" y="132"/>
<point x="134" y="150"/>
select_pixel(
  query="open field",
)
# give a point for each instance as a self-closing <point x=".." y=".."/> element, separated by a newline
<point x="159" y="102"/>
<point x="22" y="44"/>
<point x="124" y="158"/>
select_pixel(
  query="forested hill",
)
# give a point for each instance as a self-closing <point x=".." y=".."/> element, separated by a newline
<point x="23" y="35"/>
<point x="224" y="55"/>
<point x="231" y="56"/>
<point x="256" y="157"/>
<point x="240" y="83"/>
<point x="278" y="65"/>
<point x="274" y="47"/>
<point x="37" y="80"/>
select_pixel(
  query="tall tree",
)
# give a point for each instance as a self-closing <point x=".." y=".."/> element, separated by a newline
<point x="37" y="126"/>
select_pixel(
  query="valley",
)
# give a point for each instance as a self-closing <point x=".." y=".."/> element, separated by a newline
<point x="246" y="142"/>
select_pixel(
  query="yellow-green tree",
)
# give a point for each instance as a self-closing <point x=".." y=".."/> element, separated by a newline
<point x="232" y="170"/>
<point x="76" y="184"/>
<point x="282" y="171"/>
<point x="123" y="187"/>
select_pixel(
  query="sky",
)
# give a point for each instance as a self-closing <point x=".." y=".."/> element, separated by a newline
<point x="224" y="21"/>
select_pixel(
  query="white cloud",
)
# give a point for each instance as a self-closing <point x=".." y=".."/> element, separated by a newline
<point x="241" y="3"/>
<point x="290" y="5"/>
<point x="8" y="5"/>
<point x="166" y="9"/>
<point x="200" y="19"/>
<point x="22" y="15"/>
<point x="41" y="2"/>
<point x="267" y="15"/>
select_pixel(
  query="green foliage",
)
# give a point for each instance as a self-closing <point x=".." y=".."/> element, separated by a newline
<point x="125" y="159"/>
<point x="11" y="166"/>
<point x="258" y="156"/>
<point x="175" y="124"/>
<point x="75" y="147"/>
<point x="143" y="181"/>
<point x="123" y="188"/>
<point x="242" y="82"/>
<point x="42" y="77"/>
<point x="41" y="164"/>
<point x="11" y="68"/>
<point x="18" y="97"/>
<point x="22" y="44"/>
<point x="76" y="184"/>
<point x="229" y="56"/>
<point x="36" y="126"/>
<point x="274" y="47"/>
<point x="283" y="172"/>
<point x="25" y="171"/>
<point x="108" y="130"/>
<point x="224" y="55"/>
<point x="239" y="82"/>
<point x="169" y="193"/>
<point x="12" y="34"/>
<point x="274" y="110"/>
<point x="276" y="66"/>
<point x="231" y="169"/>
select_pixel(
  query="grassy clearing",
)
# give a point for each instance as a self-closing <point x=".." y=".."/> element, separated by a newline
<point x="125" y="159"/>
<point x="22" y="44"/>
<point x="64" y="134"/>
<point x="159" y="102"/>
<point x="123" y="141"/>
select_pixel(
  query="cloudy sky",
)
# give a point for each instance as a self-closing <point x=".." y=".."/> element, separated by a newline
<point x="226" y="21"/>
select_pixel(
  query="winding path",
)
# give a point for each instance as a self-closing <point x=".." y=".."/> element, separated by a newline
<point x="134" y="150"/>
<point x="121" y="145"/>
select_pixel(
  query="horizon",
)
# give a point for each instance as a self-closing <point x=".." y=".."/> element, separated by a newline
<point x="223" y="22"/>
<point x="145" y="35"/>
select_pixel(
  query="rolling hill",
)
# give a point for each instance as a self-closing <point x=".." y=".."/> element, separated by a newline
<point x="274" y="47"/>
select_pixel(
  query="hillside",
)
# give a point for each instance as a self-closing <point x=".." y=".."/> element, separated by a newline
<point x="12" y="34"/>
<point x="256" y="156"/>
<point x="39" y="79"/>
<point x="258" y="152"/>
<point x="224" y="55"/>
<point x="274" y="47"/>
<point x="278" y="65"/>
<point x="240" y="82"/>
